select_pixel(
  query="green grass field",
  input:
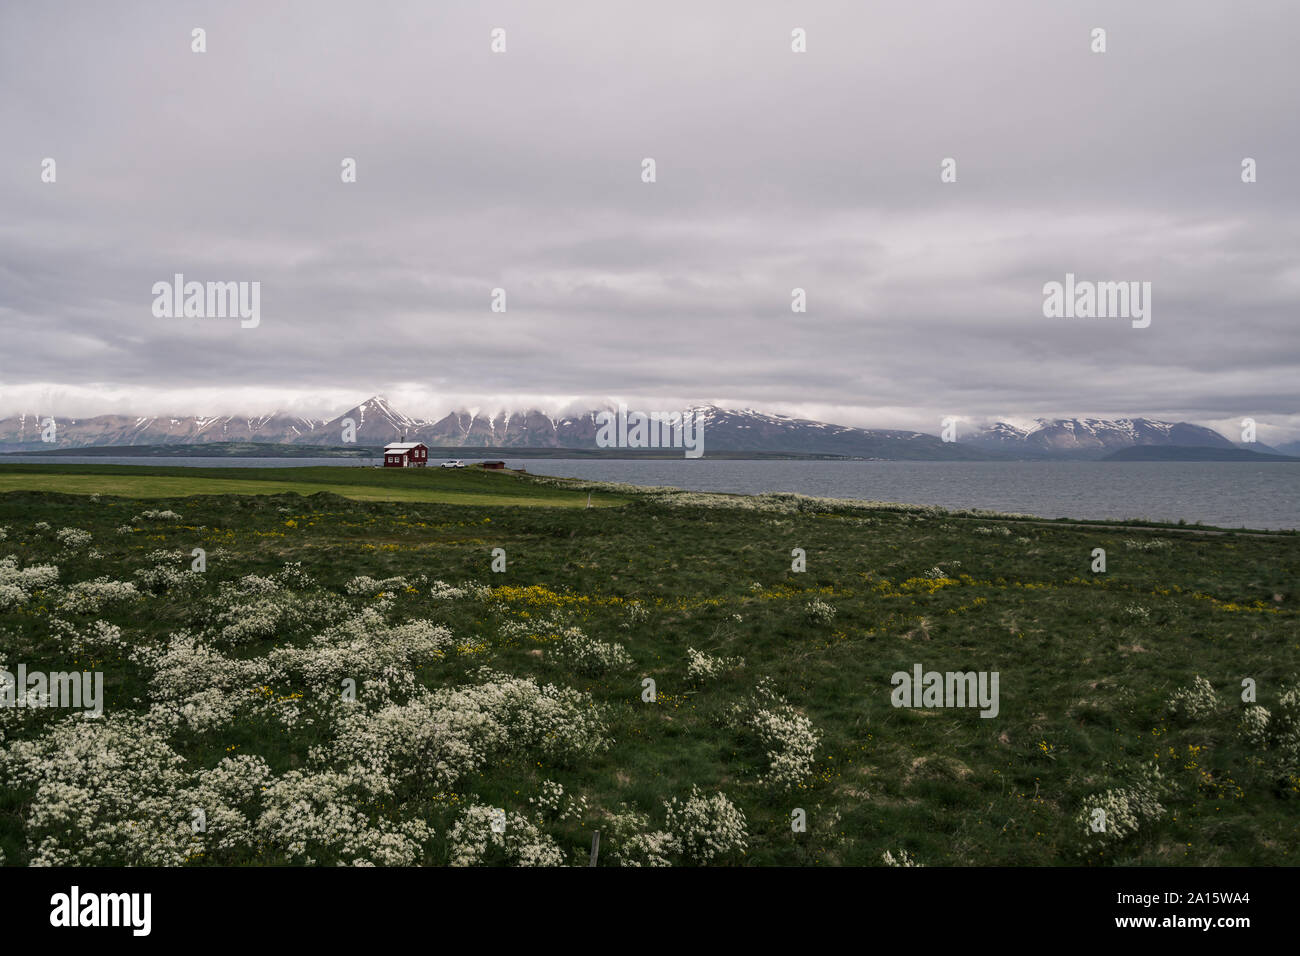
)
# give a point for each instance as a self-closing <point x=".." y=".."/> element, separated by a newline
<point x="226" y="690"/>
<point x="444" y="485"/>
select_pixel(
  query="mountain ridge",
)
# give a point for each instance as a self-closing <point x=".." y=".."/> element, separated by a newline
<point x="1094" y="437"/>
<point x="375" y="422"/>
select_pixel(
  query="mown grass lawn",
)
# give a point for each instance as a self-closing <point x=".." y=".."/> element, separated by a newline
<point x="1087" y="662"/>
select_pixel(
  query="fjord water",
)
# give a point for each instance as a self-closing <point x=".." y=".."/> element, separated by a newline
<point x="1227" y="494"/>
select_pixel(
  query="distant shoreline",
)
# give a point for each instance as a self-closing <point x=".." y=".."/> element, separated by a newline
<point x="268" y="450"/>
<point x="260" y="450"/>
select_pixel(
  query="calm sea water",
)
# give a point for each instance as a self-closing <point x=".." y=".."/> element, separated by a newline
<point x="1229" y="494"/>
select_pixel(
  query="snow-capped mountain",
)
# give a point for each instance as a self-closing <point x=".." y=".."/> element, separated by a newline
<point x="24" y="432"/>
<point x="1091" y="437"/>
<point x="527" y="429"/>
<point x="376" y="422"/>
<point x="751" y="430"/>
<point x="724" y="429"/>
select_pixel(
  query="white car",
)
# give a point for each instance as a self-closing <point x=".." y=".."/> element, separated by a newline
<point x="455" y="463"/>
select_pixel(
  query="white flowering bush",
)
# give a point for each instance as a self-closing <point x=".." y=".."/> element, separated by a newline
<point x="98" y="637"/>
<point x="474" y="841"/>
<point x="442" y="591"/>
<point x="113" y="792"/>
<point x="364" y="585"/>
<point x="819" y="612"/>
<point x="195" y="685"/>
<point x="635" y="613"/>
<point x="658" y="848"/>
<point x="701" y="667"/>
<point x="363" y="647"/>
<point x="439" y="737"/>
<point x="1254" y="726"/>
<point x="184" y="664"/>
<point x="73" y="539"/>
<point x="11" y="595"/>
<point x="553" y="804"/>
<point x="707" y="829"/>
<point x="900" y="859"/>
<point x="166" y="554"/>
<point x="626" y="839"/>
<point x="292" y="575"/>
<point x="1111" y="817"/>
<point x="1148" y="544"/>
<point x="155" y="514"/>
<point x="1277" y="731"/>
<point x="1286" y="727"/>
<point x="253" y="620"/>
<point x="1195" y="702"/>
<point x="788" y="737"/>
<point x="256" y="608"/>
<point x="229" y="797"/>
<point x="1138" y="611"/>
<point x="170" y="572"/>
<point x="17" y="584"/>
<point x="317" y="817"/>
<point x="790" y="741"/>
<point x="1108" y="819"/>
<point x="91" y="597"/>
<point x="253" y="585"/>
<point x="162" y="578"/>
<point x="12" y="719"/>
<point x="590" y="657"/>
<point x="698" y="830"/>
<point x="103" y="794"/>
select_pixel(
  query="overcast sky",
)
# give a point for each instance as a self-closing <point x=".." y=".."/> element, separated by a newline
<point x="775" y="170"/>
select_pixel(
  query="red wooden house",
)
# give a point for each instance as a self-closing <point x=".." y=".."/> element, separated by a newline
<point x="406" y="454"/>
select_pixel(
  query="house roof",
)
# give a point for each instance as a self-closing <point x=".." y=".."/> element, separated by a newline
<point x="402" y="446"/>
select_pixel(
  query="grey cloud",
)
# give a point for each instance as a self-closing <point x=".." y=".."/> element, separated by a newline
<point x="775" y="170"/>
